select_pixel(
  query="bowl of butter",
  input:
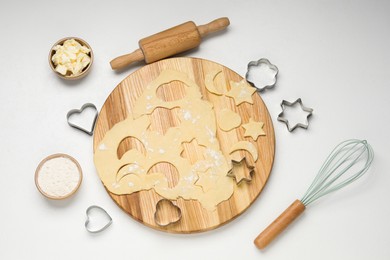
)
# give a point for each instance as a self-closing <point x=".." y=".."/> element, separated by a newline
<point x="71" y="58"/>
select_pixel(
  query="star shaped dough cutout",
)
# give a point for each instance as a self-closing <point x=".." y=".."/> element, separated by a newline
<point x="241" y="92"/>
<point x="207" y="181"/>
<point x="253" y="129"/>
<point x="241" y="171"/>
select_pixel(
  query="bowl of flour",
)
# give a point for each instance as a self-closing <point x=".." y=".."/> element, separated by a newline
<point x="58" y="176"/>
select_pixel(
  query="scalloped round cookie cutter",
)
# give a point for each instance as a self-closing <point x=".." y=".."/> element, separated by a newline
<point x="159" y="206"/>
<point x="259" y="63"/>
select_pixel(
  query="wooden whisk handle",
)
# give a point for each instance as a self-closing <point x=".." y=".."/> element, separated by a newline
<point x="279" y="224"/>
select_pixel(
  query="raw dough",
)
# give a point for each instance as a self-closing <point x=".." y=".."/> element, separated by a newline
<point x="253" y="129"/>
<point x="228" y="119"/>
<point x="241" y="92"/>
<point x="209" y="83"/>
<point x="246" y="146"/>
<point x="129" y="174"/>
<point x="206" y="180"/>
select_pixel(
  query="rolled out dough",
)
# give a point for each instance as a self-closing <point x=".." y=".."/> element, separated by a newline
<point x="205" y="181"/>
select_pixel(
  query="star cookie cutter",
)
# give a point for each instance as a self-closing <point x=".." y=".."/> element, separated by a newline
<point x="79" y="111"/>
<point x="281" y="117"/>
<point x="241" y="179"/>
<point x="259" y="63"/>
<point x="102" y="211"/>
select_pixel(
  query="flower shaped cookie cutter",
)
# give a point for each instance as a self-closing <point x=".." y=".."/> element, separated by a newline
<point x="166" y="213"/>
<point x="272" y="70"/>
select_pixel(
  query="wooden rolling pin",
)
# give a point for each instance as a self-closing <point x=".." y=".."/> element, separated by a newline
<point x="175" y="40"/>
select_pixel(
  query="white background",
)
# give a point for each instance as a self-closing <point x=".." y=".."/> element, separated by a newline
<point x="335" y="55"/>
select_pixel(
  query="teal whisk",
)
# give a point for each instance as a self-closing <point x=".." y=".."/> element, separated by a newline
<point x="347" y="162"/>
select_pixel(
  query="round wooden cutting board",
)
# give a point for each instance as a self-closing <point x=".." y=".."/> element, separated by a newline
<point x="189" y="216"/>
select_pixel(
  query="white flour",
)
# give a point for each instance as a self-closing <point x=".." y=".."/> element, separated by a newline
<point x="58" y="177"/>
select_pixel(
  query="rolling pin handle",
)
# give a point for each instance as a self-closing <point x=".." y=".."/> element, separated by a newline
<point x="213" y="26"/>
<point x="124" y="60"/>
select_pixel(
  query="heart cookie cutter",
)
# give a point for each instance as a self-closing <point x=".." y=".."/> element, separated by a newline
<point x="259" y="63"/>
<point x="291" y="104"/>
<point x="87" y="212"/>
<point x="79" y="111"/>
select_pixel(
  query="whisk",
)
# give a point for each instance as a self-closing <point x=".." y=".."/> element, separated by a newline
<point x="347" y="162"/>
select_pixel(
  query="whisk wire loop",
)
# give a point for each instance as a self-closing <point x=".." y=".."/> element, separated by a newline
<point x="329" y="160"/>
<point x="345" y="159"/>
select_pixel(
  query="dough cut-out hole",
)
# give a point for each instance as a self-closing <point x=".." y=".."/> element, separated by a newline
<point x="128" y="144"/>
<point x="169" y="170"/>
<point x="172" y="91"/>
<point x="166" y="213"/>
<point x="162" y="119"/>
<point x="126" y="170"/>
<point x="192" y="151"/>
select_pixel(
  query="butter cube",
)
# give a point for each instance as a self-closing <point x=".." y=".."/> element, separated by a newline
<point x="71" y="56"/>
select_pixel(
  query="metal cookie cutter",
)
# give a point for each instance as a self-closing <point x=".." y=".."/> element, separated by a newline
<point x="161" y="217"/>
<point x="88" y="219"/>
<point x="79" y="111"/>
<point x="284" y="120"/>
<point x="260" y="63"/>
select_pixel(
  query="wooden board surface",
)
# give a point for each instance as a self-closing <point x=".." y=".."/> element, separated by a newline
<point x="194" y="218"/>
